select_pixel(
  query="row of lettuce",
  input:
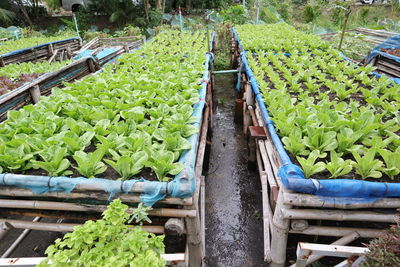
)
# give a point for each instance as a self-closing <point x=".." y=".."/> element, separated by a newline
<point x="15" y="75"/>
<point x="132" y="118"/>
<point x="335" y="118"/>
<point x="12" y="45"/>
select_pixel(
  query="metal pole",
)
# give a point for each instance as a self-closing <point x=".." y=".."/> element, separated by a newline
<point x="18" y="241"/>
<point x="258" y="11"/>
<point x="76" y="25"/>
<point x="344" y="26"/>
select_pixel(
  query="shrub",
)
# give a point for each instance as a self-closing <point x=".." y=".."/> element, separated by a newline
<point x="385" y="250"/>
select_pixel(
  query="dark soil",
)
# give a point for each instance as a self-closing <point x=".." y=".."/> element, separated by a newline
<point x="393" y="52"/>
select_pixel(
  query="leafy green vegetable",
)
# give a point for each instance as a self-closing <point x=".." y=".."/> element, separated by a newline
<point x="367" y="166"/>
<point x="54" y="161"/>
<point x="127" y="166"/>
<point x="337" y="166"/>
<point x="309" y="166"/>
<point x="108" y="242"/>
<point x="162" y="163"/>
<point x="89" y="164"/>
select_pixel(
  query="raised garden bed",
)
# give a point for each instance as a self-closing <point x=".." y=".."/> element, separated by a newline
<point x="140" y="124"/>
<point x="312" y="97"/>
<point x="38" y="49"/>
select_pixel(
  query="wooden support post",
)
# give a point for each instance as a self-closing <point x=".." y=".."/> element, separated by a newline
<point x="2" y="62"/>
<point x="342" y="241"/>
<point x="280" y="230"/>
<point x="50" y="49"/>
<point x="69" y="53"/>
<point x="35" y="93"/>
<point x="174" y="227"/>
<point x="4" y="228"/>
<point x="91" y="65"/>
<point x="53" y="56"/>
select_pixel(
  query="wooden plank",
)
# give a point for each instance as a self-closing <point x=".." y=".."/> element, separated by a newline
<point x="330" y="250"/>
<point x="33" y="261"/>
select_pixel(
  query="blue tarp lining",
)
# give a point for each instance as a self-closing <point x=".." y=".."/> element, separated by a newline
<point x="292" y="177"/>
<point x="19" y="51"/>
<point x="182" y="186"/>
<point x="391" y="43"/>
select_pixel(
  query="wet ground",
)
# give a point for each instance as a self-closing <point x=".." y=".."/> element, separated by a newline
<point x="234" y="233"/>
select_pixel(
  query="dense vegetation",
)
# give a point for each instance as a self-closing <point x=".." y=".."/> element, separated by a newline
<point x="22" y="43"/>
<point x="134" y="116"/>
<point x="108" y="242"/>
<point x="15" y="75"/>
<point x="335" y="118"/>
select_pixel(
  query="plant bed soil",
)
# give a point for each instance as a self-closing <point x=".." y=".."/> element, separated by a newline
<point x="7" y="85"/>
<point x="356" y="97"/>
<point x="394" y="52"/>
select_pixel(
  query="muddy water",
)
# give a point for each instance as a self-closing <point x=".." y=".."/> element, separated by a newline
<point x="233" y="198"/>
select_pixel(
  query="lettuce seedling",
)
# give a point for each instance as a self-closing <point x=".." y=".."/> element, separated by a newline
<point x="89" y="164"/>
<point x="367" y="166"/>
<point x="318" y="139"/>
<point x="294" y="143"/>
<point x="127" y="166"/>
<point x="338" y="166"/>
<point x="392" y="162"/>
<point x="54" y="161"/>
<point x="162" y="163"/>
<point x="346" y="139"/>
<point x="309" y="166"/>
<point x="75" y="142"/>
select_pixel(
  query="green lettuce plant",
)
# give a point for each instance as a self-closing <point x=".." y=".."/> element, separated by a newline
<point x="108" y="242"/>
<point x="309" y="166"/>
<point x="89" y="164"/>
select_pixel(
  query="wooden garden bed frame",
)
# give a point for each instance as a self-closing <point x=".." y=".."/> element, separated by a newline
<point x="29" y="93"/>
<point x="172" y="216"/>
<point x="63" y="49"/>
<point x="286" y="212"/>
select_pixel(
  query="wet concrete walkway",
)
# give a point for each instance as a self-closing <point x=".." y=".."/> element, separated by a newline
<point x="233" y="193"/>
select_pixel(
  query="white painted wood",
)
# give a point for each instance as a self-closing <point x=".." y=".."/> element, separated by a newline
<point x="33" y="261"/>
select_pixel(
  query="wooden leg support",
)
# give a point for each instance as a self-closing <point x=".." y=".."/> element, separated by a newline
<point x="280" y="230"/>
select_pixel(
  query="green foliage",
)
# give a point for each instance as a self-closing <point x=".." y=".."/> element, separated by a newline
<point x="367" y="166"/>
<point x="311" y="12"/>
<point x="309" y="166"/>
<point x="337" y="166"/>
<point x="22" y="43"/>
<point x="108" y="242"/>
<point x="89" y="164"/>
<point x="127" y="166"/>
<point x="234" y="14"/>
<point x="133" y="115"/>
<point x="13" y="71"/>
<point x="54" y="161"/>
<point x="319" y="102"/>
<point x="384" y="250"/>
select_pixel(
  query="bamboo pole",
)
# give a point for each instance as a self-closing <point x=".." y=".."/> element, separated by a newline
<point x="128" y="198"/>
<point x="66" y="227"/>
<point x="18" y="241"/>
<point x="280" y="230"/>
<point x="341" y="242"/>
<point x="339" y="231"/>
<point x="305" y="200"/>
<point x="334" y="215"/>
<point x="64" y="206"/>
<point x="4" y="228"/>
